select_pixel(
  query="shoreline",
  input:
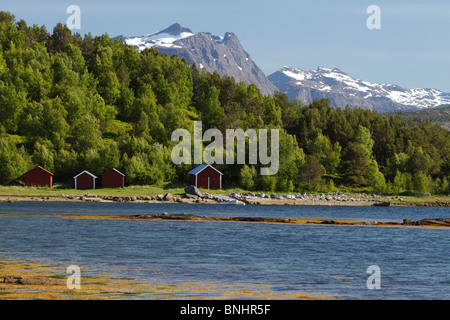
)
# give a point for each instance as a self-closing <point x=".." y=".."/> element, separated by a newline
<point x="168" y="198"/>
<point x="26" y="280"/>
<point x="180" y="200"/>
<point x="425" y="223"/>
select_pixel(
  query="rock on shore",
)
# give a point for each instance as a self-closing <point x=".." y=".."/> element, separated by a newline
<point x="32" y="281"/>
<point x="428" y="222"/>
<point x="193" y="195"/>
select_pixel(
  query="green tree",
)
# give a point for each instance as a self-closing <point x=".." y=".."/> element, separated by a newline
<point x="356" y="160"/>
<point x="292" y="158"/>
<point x="211" y="111"/>
<point x="328" y="154"/>
<point x="15" y="161"/>
<point x="43" y="155"/>
<point x="248" y="174"/>
<point x="375" y="177"/>
<point x="60" y="39"/>
<point x="67" y="165"/>
<point x="363" y="138"/>
<point x="137" y="169"/>
<point x="400" y="183"/>
<point x="87" y="134"/>
<point x="311" y="174"/>
<point x="421" y="183"/>
<point x="418" y="161"/>
<point x="267" y="183"/>
<point x="12" y="104"/>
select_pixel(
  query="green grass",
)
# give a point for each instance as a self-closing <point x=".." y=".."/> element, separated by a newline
<point x="147" y="190"/>
<point x="57" y="191"/>
<point x="430" y="198"/>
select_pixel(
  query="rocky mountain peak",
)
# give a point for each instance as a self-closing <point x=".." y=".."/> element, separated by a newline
<point x="175" y="30"/>
<point x="209" y="52"/>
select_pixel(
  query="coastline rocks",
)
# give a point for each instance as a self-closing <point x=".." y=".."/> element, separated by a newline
<point x="32" y="281"/>
<point x="192" y="194"/>
<point x="333" y="196"/>
<point x="184" y="216"/>
<point x="435" y="221"/>
<point x="192" y="190"/>
<point x="428" y="222"/>
<point x="408" y="221"/>
<point x="429" y="204"/>
<point x="168" y="197"/>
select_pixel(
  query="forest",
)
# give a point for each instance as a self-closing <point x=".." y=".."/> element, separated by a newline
<point x="71" y="103"/>
<point x="440" y="116"/>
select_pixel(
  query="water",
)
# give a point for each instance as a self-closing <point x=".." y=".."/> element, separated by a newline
<point x="324" y="212"/>
<point x="315" y="259"/>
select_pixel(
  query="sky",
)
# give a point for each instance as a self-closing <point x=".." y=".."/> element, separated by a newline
<point x="411" y="49"/>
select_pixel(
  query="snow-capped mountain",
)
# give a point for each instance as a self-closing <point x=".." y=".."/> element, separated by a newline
<point x="223" y="54"/>
<point x="164" y="39"/>
<point x="344" y="90"/>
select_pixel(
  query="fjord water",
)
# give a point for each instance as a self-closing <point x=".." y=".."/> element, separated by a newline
<point x="314" y="259"/>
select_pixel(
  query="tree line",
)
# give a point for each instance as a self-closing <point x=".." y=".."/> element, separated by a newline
<point x="71" y="103"/>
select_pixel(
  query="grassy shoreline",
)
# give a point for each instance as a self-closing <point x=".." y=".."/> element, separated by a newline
<point x="178" y="191"/>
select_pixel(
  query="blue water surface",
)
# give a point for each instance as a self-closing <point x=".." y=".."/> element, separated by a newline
<point x="315" y="259"/>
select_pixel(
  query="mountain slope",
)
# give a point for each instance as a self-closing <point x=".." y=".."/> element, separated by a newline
<point x="342" y="89"/>
<point x="209" y="52"/>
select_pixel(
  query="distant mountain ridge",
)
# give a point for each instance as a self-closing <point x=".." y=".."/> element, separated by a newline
<point x="343" y="90"/>
<point x="223" y="54"/>
<point x="226" y="55"/>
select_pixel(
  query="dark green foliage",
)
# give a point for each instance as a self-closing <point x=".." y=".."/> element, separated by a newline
<point x="73" y="103"/>
<point x="440" y="116"/>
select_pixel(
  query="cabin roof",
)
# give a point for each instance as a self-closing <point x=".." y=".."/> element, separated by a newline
<point x="202" y="167"/>
<point x="39" y="167"/>
<point x="85" y="171"/>
<point x="114" y="169"/>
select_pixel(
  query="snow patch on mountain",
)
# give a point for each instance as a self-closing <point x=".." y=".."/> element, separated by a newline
<point x="209" y="52"/>
<point x="343" y="89"/>
<point x="164" y="40"/>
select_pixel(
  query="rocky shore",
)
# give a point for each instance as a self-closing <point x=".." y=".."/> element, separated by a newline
<point x="429" y="222"/>
<point x="193" y="195"/>
<point x="32" y="281"/>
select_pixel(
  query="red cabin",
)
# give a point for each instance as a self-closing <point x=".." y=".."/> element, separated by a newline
<point x="39" y="177"/>
<point x="206" y="177"/>
<point x="113" y="179"/>
<point x="85" y="180"/>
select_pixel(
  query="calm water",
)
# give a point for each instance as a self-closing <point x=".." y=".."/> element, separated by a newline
<point x="317" y="259"/>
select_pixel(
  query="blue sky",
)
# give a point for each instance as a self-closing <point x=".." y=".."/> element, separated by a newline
<point x="412" y="48"/>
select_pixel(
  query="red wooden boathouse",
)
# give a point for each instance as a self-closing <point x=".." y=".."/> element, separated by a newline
<point x="206" y="177"/>
<point x="113" y="179"/>
<point x="85" y="180"/>
<point x="38" y="177"/>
